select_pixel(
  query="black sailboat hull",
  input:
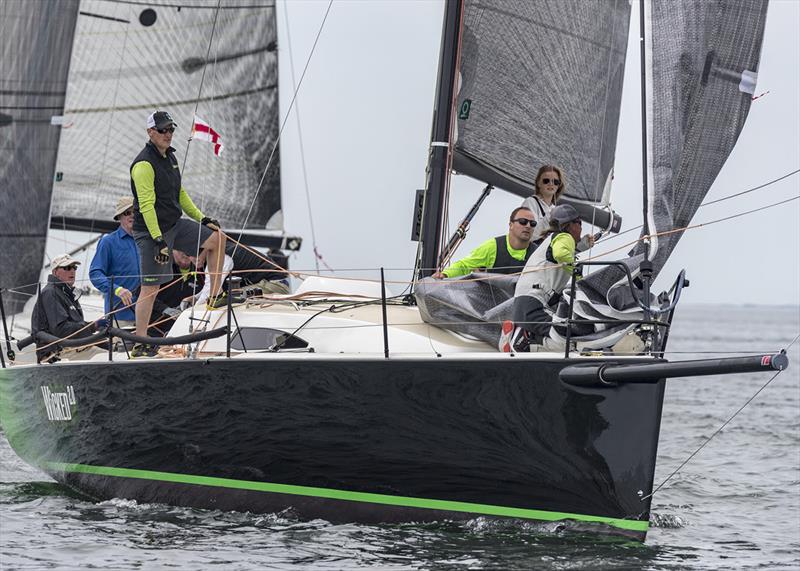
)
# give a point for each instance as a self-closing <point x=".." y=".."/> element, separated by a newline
<point x="345" y="440"/>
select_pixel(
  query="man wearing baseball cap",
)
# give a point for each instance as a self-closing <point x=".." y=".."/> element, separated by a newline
<point x="159" y="200"/>
<point x="57" y="310"/>
<point x="116" y="259"/>
<point x="545" y="276"/>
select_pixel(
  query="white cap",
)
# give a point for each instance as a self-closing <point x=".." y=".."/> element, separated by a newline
<point x="63" y="261"/>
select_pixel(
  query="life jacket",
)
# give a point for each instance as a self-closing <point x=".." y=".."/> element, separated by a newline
<point x="505" y="263"/>
<point x="542" y="279"/>
<point x="541" y="212"/>
<point x="167" y="186"/>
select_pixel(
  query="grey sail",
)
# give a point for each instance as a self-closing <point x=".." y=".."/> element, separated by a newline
<point x="541" y="83"/>
<point x="701" y="72"/>
<point x="35" y="44"/>
<point x="130" y="59"/>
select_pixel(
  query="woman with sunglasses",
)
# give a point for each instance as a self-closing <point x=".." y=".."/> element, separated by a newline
<point x="550" y="186"/>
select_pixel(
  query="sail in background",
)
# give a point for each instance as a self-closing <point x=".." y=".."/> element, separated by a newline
<point x="130" y="59"/>
<point x="701" y="69"/>
<point x="541" y="83"/>
<point x="35" y="45"/>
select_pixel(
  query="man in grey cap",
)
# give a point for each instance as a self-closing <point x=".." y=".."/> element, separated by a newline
<point x="57" y="310"/>
<point x="546" y="274"/>
<point x="159" y="200"/>
<point x="116" y="259"/>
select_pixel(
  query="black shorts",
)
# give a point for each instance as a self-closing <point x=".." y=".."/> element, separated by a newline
<point x="183" y="236"/>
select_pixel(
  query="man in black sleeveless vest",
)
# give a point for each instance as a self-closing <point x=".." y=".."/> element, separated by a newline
<point x="159" y="200"/>
<point x="501" y="255"/>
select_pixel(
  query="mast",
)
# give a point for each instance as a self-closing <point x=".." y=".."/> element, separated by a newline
<point x="439" y="156"/>
<point x="646" y="266"/>
<point x="643" y="88"/>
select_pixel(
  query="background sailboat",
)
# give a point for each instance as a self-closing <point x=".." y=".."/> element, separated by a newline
<point x="119" y="62"/>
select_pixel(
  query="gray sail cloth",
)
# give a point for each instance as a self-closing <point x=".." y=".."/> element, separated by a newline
<point x="541" y="83"/>
<point x="475" y="305"/>
<point x="35" y="43"/>
<point x="703" y="57"/>
<point x="124" y="69"/>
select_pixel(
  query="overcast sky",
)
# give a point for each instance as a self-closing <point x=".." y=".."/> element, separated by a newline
<point x="365" y="113"/>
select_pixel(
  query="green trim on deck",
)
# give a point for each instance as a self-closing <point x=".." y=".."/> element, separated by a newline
<point x="483" y="509"/>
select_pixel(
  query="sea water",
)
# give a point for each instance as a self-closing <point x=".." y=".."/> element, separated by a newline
<point x="734" y="505"/>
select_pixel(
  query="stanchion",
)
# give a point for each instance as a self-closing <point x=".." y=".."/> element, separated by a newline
<point x="383" y="308"/>
<point x="111" y="307"/>
<point x="10" y="352"/>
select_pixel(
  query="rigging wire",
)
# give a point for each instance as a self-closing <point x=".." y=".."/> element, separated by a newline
<point x="317" y="256"/>
<point x="724" y="424"/>
<point x="780" y="178"/>
<point x="283" y="124"/>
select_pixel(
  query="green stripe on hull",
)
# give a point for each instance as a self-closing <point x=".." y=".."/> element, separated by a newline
<point x="483" y="509"/>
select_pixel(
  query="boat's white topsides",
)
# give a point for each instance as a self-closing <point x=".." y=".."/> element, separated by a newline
<point x="329" y="318"/>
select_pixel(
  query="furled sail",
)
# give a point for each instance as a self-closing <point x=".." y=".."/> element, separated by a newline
<point x="35" y="44"/>
<point x="541" y="83"/>
<point x="702" y="60"/>
<point x="130" y="59"/>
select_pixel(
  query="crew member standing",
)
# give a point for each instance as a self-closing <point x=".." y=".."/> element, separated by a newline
<point x="159" y="200"/>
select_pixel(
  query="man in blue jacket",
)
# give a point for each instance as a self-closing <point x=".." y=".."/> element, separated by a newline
<point x="117" y="256"/>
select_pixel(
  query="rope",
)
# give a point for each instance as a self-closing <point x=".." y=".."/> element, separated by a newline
<point x="724" y="424"/>
<point x="780" y="178"/>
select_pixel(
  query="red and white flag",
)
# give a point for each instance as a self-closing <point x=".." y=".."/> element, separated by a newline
<point x="202" y="131"/>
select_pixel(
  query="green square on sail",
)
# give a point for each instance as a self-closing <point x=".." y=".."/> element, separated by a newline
<point x="463" y="109"/>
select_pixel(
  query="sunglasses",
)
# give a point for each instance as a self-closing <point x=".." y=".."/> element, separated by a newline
<point x="127" y="213"/>
<point x="555" y="181"/>
<point x="525" y="222"/>
<point x="167" y="130"/>
<point x="73" y="267"/>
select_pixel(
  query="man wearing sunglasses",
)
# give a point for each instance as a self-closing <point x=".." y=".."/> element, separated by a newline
<point x="116" y="259"/>
<point x="159" y="200"/>
<point x="505" y="254"/>
<point x="57" y="310"/>
<point x="539" y="287"/>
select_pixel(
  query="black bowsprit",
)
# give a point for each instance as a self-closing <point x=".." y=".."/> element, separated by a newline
<point x="597" y="374"/>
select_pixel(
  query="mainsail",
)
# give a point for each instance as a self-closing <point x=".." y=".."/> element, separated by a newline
<point x="701" y="66"/>
<point x="35" y="44"/>
<point x="130" y="59"/>
<point x="541" y="83"/>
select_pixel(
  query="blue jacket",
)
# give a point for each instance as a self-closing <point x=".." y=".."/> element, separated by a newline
<point x="116" y="255"/>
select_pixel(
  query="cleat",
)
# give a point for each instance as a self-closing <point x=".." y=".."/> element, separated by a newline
<point x="222" y="300"/>
<point x="505" y="337"/>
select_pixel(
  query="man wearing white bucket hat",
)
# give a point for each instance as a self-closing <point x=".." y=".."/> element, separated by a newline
<point x="116" y="262"/>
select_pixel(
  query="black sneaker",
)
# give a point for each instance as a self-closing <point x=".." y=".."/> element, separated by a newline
<point x="520" y="341"/>
<point x="144" y="350"/>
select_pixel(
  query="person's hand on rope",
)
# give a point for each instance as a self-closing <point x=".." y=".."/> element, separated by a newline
<point x="211" y="223"/>
<point x="162" y="251"/>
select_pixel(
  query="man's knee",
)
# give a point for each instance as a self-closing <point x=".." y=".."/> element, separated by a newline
<point x="212" y="242"/>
